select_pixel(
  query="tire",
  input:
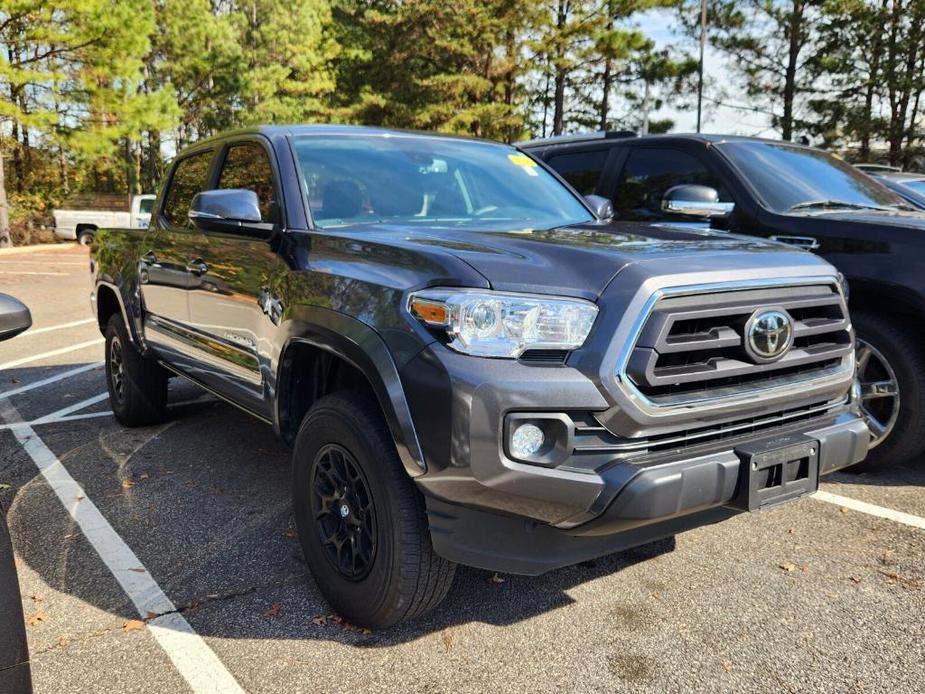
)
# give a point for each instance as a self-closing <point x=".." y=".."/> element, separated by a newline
<point x="896" y="356"/>
<point x="386" y="570"/>
<point x="137" y="385"/>
<point x="85" y="237"/>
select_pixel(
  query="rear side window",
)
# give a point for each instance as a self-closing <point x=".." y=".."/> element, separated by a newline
<point x="189" y="177"/>
<point x="582" y="169"/>
<point x="648" y="173"/>
<point x="247" y="166"/>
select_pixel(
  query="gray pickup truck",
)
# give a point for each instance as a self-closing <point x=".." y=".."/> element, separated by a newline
<point x="471" y="363"/>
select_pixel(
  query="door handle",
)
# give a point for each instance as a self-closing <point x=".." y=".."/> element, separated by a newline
<point x="807" y="242"/>
<point x="197" y="267"/>
<point x="149" y="258"/>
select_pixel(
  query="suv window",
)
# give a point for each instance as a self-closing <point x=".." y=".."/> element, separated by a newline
<point x="248" y="167"/>
<point x="648" y="173"/>
<point x="189" y="177"/>
<point x="581" y="169"/>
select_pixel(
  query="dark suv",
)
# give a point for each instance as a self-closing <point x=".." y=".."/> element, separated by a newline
<point x="800" y="196"/>
<point x="470" y="365"/>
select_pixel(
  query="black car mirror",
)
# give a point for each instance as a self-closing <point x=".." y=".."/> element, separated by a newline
<point x="601" y="206"/>
<point x="14" y="317"/>
<point x="230" y="211"/>
<point x="691" y="200"/>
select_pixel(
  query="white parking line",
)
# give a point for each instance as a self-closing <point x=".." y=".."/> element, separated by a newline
<point x="871" y="509"/>
<point x="190" y="654"/>
<point x="65" y="411"/>
<point x="51" y="379"/>
<point x="24" y="272"/>
<point x="48" y="329"/>
<point x="52" y="353"/>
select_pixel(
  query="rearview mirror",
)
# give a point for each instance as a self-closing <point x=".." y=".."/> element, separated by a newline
<point x="230" y="211"/>
<point x="690" y="200"/>
<point x="14" y="317"/>
<point x="602" y="207"/>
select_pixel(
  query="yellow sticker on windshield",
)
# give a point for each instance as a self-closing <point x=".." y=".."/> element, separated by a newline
<point x="524" y="162"/>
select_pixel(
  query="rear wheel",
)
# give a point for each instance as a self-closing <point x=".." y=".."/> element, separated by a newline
<point x="891" y="384"/>
<point x="137" y="386"/>
<point x="361" y="522"/>
<point x="85" y="237"/>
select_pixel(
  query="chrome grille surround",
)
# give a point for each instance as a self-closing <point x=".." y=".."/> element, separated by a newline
<point x="834" y="374"/>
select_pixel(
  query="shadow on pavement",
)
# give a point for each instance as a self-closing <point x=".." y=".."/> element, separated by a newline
<point x="203" y="500"/>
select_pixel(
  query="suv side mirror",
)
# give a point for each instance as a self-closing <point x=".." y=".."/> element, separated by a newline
<point x="690" y="200"/>
<point x="229" y="211"/>
<point x="601" y="206"/>
<point x="14" y="317"/>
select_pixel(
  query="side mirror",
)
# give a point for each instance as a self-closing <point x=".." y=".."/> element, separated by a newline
<point x="602" y="207"/>
<point x="690" y="200"/>
<point x="14" y="317"/>
<point x="229" y="211"/>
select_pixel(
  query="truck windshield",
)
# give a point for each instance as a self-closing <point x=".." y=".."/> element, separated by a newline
<point x="398" y="179"/>
<point x="790" y="178"/>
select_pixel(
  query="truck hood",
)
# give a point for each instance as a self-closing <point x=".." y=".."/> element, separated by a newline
<point x="582" y="260"/>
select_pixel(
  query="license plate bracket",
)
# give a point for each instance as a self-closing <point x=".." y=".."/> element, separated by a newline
<point x="777" y="470"/>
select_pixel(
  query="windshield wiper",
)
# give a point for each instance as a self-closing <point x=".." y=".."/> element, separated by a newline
<point x="818" y="204"/>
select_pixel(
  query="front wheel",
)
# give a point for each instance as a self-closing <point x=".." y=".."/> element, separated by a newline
<point x="890" y="382"/>
<point x="85" y="237"/>
<point x="361" y="522"/>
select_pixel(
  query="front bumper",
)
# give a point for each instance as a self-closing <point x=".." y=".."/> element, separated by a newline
<point x="490" y="511"/>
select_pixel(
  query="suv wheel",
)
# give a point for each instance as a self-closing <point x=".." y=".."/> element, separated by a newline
<point x="891" y="384"/>
<point x="137" y="386"/>
<point x="361" y="522"/>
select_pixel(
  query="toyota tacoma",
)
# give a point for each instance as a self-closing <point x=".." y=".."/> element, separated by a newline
<point x="470" y="362"/>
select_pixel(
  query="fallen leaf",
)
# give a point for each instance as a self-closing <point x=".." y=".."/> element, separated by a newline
<point x="133" y="625"/>
<point x="127" y="484"/>
<point x="17" y="563"/>
<point x="36" y="598"/>
<point x="320" y="620"/>
<point x="447" y="636"/>
<point x="150" y="615"/>
<point x="37" y="618"/>
<point x="5" y="486"/>
<point x="496" y="579"/>
<point x="143" y="477"/>
<point x="727" y="665"/>
<point x="788" y="567"/>
<point x="138" y="570"/>
<point x="62" y="641"/>
<point x="856" y="579"/>
<point x="911" y="582"/>
<point x="844" y="509"/>
<point x="289" y="532"/>
<point x="272" y="610"/>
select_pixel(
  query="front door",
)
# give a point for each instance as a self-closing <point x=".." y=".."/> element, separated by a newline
<point x="234" y="307"/>
<point x="167" y="275"/>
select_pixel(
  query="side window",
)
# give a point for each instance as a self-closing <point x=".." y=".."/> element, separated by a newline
<point x="189" y="177"/>
<point x="582" y="169"/>
<point x="247" y="166"/>
<point x="648" y="173"/>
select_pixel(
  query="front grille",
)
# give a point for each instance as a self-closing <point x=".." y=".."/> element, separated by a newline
<point x="594" y="444"/>
<point x="692" y="347"/>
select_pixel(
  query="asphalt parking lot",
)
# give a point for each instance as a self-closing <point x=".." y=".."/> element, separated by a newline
<point x="824" y="594"/>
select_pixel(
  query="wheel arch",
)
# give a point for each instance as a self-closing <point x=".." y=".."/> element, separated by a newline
<point x="328" y="351"/>
<point x="109" y="301"/>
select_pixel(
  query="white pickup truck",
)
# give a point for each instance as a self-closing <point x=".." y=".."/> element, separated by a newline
<point x="82" y="224"/>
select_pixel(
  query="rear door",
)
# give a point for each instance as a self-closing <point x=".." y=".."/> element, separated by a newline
<point x="234" y="309"/>
<point x="165" y="272"/>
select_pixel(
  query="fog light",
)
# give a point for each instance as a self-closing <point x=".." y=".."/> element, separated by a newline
<point x="526" y="440"/>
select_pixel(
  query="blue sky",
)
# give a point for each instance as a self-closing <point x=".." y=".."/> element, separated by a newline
<point x="662" y="27"/>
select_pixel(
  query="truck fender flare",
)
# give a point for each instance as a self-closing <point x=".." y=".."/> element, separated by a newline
<point x="360" y="346"/>
<point x="118" y="292"/>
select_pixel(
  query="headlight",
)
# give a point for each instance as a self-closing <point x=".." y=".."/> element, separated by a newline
<point x="495" y="324"/>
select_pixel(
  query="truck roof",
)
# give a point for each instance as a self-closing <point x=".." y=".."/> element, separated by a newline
<point x="272" y="131"/>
